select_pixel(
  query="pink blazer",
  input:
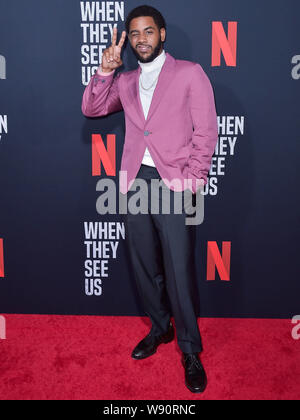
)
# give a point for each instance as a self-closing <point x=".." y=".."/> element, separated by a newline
<point x="181" y="130"/>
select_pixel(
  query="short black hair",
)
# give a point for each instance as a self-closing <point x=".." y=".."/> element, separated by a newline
<point x="146" y="10"/>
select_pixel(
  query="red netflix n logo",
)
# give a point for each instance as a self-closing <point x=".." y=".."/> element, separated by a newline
<point x="216" y="260"/>
<point x="100" y="154"/>
<point x="220" y="42"/>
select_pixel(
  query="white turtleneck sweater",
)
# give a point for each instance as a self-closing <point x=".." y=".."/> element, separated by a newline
<point x="148" y="81"/>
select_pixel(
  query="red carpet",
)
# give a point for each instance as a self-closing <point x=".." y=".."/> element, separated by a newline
<point x="81" y="357"/>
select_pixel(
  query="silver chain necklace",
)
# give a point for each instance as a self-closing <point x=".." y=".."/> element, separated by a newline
<point x="151" y="84"/>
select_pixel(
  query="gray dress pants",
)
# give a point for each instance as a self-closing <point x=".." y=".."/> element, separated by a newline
<point x="162" y="252"/>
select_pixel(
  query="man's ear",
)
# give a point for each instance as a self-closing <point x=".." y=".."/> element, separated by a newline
<point x="163" y="34"/>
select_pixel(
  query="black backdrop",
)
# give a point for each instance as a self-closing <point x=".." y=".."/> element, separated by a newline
<point x="47" y="190"/>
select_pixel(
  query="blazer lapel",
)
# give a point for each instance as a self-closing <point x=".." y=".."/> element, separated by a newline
<point x="161" y="87"/>
<point x="163" y="83"/>
<point x="134" y="96"/>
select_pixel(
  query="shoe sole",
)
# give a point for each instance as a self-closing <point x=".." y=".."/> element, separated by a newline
<point x="151" y="354"/>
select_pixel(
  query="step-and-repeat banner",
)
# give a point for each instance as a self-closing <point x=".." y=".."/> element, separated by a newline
<point x="58" y="255"/>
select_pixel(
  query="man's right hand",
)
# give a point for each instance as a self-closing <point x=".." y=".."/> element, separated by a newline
<point x="111" y="58"/>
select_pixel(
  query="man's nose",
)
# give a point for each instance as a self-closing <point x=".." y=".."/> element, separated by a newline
<point x="142" y="38"/>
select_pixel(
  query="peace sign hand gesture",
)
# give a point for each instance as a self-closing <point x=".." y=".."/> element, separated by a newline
<point x="111" y="58"/>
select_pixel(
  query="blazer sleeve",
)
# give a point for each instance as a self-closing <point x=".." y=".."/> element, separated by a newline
<point x="205" y="135"/>
<point x="101" y="96"/>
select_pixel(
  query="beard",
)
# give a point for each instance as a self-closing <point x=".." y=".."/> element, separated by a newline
<point x="152" y="56"/>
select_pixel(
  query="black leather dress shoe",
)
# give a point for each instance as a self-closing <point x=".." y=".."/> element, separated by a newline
<point x="195" y="376"/>
<point x="149" y="344"/>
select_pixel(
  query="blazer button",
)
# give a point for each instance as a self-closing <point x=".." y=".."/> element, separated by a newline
<point x="146" y="133"/>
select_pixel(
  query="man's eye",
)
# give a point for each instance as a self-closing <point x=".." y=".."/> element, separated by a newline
<point x="149" y="32"/>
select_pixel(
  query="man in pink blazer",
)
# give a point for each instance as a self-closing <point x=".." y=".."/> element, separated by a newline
<point x="171" y="134"/>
